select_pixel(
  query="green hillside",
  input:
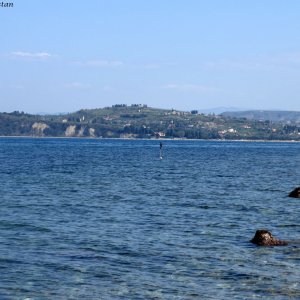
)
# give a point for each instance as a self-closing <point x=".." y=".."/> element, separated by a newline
<point x="263" y="115"/>
<point x="140" y="121"/>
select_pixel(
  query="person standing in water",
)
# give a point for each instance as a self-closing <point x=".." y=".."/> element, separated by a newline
<point x="160" y="150"/>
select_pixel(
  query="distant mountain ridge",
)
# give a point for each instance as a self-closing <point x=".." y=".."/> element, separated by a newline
<point x="266" y="115"/>
<point x="218" y="110"/>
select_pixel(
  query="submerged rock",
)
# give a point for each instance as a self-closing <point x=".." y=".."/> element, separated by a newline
<point x="295" y="193"/>
<point x="265" y="238"/>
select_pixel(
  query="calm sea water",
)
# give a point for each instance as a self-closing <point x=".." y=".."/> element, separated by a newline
<point x="107" y="219"/>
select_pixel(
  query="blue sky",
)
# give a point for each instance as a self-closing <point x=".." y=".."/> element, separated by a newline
<point x="61" y="56"/>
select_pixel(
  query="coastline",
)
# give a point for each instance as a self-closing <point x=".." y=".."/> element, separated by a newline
<point x="151" y="139"/>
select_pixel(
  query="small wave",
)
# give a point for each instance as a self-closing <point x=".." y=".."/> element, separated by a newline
<point x="4" y="260"/>
<point x="288" y="225"/>
<point x="25" y="226"/>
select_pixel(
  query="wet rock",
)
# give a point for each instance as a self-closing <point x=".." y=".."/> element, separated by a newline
<point x="265" y="238"/>
<point x="295" y="193"/>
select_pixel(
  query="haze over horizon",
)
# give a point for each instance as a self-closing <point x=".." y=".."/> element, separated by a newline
<point x="167" y="54"/>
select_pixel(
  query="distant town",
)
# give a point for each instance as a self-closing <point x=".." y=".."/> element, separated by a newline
<point x="141" y="121"/>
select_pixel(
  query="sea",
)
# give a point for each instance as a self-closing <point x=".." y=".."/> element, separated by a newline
<point x="108" y="219"/>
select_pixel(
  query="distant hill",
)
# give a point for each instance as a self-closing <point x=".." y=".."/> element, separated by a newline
<point x="140" y="121"/>
<point x="218" y="110"/>
<point x="264" y="115"/>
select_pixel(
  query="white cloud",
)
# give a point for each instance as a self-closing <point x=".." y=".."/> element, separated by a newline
<point x="188" y="87"/>
<point x="100" y="63"/>
<point x="259" y="62"/>
<point x="227" y="64"/>
<point x="287" y="59"/>
<point x="36" y="55"/>
<point x="16" y="86"/>
<point x="77" y="85"/>
<point x="106" y="88"/>
<point x="151" y="66"/>
<point x="146" y="66"/>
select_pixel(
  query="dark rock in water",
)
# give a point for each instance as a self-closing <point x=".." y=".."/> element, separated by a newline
<point x="295" y="193"/>
<point x="265" y="238"/>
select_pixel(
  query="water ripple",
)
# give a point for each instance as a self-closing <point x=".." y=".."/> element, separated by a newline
<point x="106" y="219"/>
